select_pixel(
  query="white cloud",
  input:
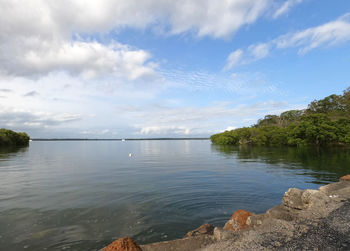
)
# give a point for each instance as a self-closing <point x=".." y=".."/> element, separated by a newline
<point x="234" y="58"/>
<point x="285" y="7"/>
<point x="259" y="51"/>
<point x="39" y="37"/>
<point x="329" y="34"/>
<point x="62" y="105"/>
<point x="67" y="106"/>
<point x="213" y="18"/>
<point x="326" y="35"/>
<point x="89" y="59"/>
<point x="164" y="120"/>
<point x="31" y="57"/>
<point x="204" y="17"/>
<point x="24" y="119"/>
<point x="230" y="128"/>
<point x="165" y="130"/>
<point x="252" y="54"/>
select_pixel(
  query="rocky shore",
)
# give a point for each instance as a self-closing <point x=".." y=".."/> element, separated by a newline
<point x="305" y="220"/>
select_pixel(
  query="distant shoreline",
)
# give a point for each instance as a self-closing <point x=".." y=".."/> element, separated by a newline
<point x="126" y="139"/>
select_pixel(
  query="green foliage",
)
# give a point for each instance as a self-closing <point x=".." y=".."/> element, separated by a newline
<point x="324" y="122"/>
<point x="11" y="138"/>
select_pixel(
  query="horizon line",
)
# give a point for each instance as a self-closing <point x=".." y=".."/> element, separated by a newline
<point x="117" y="139"/>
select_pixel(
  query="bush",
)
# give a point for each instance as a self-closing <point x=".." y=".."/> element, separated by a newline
<point x="325" y="122"/>
<point x="11" y="138"/>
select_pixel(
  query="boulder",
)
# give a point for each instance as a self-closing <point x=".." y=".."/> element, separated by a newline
<point x="298" y="199"/>
<point x="292" y="199"/>
<point x="256" y="220"/>
<point x="238" y="220"/>
<point x="280" y="212"/>
<point x="221" y="234"/>
<point x="123" y="244"/>
<point x="314" y="198"/>
<point x="345" y="178"/>
<point x="205" y="229"/>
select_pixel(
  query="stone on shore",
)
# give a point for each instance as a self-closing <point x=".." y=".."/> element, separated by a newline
<point x="308" y="199"/>
<point x="222" y="234"/>
<point x="238" y="220"/>
<point x="123" y="244"/>
<point x="292" y="199"/>
<point x="345" y="178"/>
<point x="205" y="229"/>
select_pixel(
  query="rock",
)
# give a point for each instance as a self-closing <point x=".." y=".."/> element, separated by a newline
<point x="123" y="244"/>
<point x="238" y="220"/>
<point x="280" y="212"/>
<point x="337" y="191"/>
<point x="221" y="234"/>
<point x="345" y="178"/>
<point x="202" y="230"/>
<point x="292" y="199"/>
<point x="185" y="244"/>
<point x="314" y="198"/>
<point x="298" y="199"/>
<point x="256" y="220"/>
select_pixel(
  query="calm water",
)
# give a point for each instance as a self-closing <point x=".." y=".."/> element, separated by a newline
<point x="83" y="195"/>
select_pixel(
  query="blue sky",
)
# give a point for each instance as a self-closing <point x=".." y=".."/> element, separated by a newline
<point x="116" y="69"/>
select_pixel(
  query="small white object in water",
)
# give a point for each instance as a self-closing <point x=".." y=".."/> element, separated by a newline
<point x="130" y="155"/>
<point x="123" y="139"/>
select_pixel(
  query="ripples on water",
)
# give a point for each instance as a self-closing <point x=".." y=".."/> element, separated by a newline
<point x="83" y="195"/>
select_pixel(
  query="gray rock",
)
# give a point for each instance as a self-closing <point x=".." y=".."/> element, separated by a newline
<point x="256" y="220"/>
<point x="280" y="212"/>
<point x="298" y="199"/>
<point x="292" y="199"/>
<point x="314" y="198"/>
<point x="222" y="234"/>
<point x="205" y="229"/>
<point x="185" y="244"/>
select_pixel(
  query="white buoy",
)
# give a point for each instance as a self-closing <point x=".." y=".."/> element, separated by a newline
<point x="130" y="155"/>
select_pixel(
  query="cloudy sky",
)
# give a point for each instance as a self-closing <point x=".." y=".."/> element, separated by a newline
<point x="155" y="68"/>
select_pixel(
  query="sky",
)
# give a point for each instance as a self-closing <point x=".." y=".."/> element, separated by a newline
<point x="162" y="68"/>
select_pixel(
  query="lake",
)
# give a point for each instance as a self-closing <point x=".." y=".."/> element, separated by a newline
<point x="82" y="195"/>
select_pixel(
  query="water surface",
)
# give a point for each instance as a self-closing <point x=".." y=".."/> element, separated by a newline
<point x="81" y="195"/>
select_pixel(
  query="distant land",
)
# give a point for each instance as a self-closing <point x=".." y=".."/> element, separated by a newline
<point x="126" y="139"/>
<point x="324" y="122"/>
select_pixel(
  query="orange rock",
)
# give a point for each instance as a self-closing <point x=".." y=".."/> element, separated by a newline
<point x="123" y="244"/>
<point x="238" y="220"/>
<point x="345" y="178"/>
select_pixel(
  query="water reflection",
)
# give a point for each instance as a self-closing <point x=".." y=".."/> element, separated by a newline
<point x="73" y="229"/>
<point x="5" y="151"/>
<point x="327" y="164"/>
<point x="83" y="195"/>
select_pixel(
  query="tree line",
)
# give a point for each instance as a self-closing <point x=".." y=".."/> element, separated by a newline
<point x="11" y="138"/>
<point x="324" y="122"/>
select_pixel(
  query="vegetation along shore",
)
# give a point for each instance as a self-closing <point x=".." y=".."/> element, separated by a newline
<point x="324" y="122"/>
<point x="11" y="138"/>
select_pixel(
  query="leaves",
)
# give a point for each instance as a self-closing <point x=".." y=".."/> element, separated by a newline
<point x="325" y="122"/>
<point x="11" y="138"/>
